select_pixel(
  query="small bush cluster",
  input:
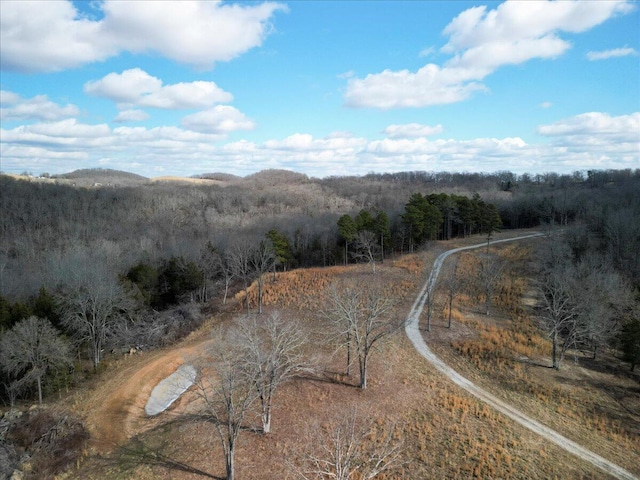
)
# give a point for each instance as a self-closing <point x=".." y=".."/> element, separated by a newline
<point x="159" y="328"/>
<point x="46" y="442"/>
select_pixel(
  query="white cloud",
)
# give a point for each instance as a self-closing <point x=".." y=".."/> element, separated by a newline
<point x="546" y="105"/>
<point x="613" y="53"/>
<point x="431" y="85"/>
<point x="425" y="52"/>
<point x="14" y="107"/>
<point x="137" y="87"/>
<point x="52" y="36"/>
<point x="220" y="119"/>
<point x="131" y="116"/>
<point x="590" y="140"/>
<point x="596" y="127"/>
<point x="412" y="130"/>
<point x="48" y="36"/>
<point x="481" y="41"/>
<point x="303" y="142"/>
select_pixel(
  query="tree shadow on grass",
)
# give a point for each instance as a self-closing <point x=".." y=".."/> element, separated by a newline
<point x="139" y="451"/>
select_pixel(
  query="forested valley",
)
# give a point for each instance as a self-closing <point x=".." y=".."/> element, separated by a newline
<point x="100" y="262"/>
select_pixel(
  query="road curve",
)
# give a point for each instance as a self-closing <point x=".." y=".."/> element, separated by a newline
<point x="414" y="334"/>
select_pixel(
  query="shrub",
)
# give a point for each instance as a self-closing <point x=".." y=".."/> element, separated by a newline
<point x="54" y="441"/>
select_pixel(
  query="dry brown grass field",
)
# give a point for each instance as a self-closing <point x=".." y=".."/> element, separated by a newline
<point x="445" y="433"/>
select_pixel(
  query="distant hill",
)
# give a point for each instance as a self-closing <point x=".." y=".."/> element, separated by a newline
<point x="102" y="177"/>
<point x="272" y="177"/>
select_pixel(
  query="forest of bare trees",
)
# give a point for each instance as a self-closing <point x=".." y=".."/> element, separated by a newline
<point x="113" y="261"/>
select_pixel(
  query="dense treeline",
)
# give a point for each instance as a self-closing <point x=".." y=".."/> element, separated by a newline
<point x="111" y="266"/>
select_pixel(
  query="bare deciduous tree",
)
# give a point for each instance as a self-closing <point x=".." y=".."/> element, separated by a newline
<point x="92" y="308"/>
<point x="240" y="260"/>
<point x="210" y="264"/>
<point x="490" y="269"/>
<point x="561" y="312"/>
<point x="262" y="259"/>
<point x="227" y="270"/>
<point x="349" y="451"/>
<point x="30" y="348"/>
<point x="362" y="316"/>
<point x="228" y="394"/>
<point x="271" y="354"/>
<point x="367" y="247"/>
<point x="452" y="283"/>
<point x="603" y="296"/>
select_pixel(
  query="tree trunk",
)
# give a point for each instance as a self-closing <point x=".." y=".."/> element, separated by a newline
<point x="363" y="373"/>
<point x="230" y="462"/>
<point x="266" y="421"/>
<point x="40" y="389"/>
<point x="554" y="350"/>
<point x="226" y="292"/>
<point x="246" y="295"/>
<point x="260" y="294"/>
<point x="348" y="354"/>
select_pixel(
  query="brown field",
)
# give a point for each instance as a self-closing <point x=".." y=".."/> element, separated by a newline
<point x="445" y="432"/>
<point x="196" y="181"/>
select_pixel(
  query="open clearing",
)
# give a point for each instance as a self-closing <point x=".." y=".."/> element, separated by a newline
<point x="447" y="432"/>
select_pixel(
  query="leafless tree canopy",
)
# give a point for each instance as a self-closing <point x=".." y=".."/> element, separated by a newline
<point x="490" y="269"/>
<point x="228" y="393"/>
<point x="30" y="348"/>
<point x="362" y="316"/>
<point x="271" y="354"/>
<point x="350" y="448"/>
<point x="583" y="301"/>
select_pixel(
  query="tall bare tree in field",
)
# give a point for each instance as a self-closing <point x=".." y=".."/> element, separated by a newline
<point x="271" y="354"/>
<point x="561" y="311"/>
<point x="490" y="269"/>
<point x="30" y="348"/>
<point x="362" y="316"/>
<point x="367" y="247"/>
<point x="452" y="284"/>
<point x="228" y="394"/>
<point x="350" y="449"/>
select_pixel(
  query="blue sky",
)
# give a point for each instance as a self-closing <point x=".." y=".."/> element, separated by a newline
<point x="319" y="87"/>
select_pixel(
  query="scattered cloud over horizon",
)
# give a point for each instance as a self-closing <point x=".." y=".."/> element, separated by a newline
<point x="480" y="42"/>
<point x="593" y="138"/>
<point x="613" y="53"/>
<point x="220" y="119"/>
<point x="56" y="37"/>
<point x="594" y="126"/>
<point x="412" y="130"/>
<point x="14" y="107"/>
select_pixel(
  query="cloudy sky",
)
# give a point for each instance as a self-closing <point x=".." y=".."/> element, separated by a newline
<point x="319" y="87"/>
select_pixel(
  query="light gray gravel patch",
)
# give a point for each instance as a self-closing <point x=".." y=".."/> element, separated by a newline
<point x="170" y="389"/>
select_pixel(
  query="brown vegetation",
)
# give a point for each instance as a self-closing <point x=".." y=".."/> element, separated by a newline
<point x="446" y="433"/>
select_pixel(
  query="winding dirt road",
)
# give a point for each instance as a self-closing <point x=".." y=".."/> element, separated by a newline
<point x="414" y="334"/>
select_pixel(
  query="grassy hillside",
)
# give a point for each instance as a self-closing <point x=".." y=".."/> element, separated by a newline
<point x="443" y="432"/>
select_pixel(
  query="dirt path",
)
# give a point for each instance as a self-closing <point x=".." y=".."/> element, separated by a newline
<point x="414" y="334"/>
